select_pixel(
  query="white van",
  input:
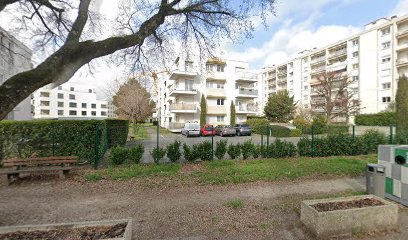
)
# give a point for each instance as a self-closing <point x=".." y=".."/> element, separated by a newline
<point x="191" y="129"/>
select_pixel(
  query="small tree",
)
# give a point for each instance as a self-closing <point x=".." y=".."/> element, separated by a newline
<point x="203" y="113"/>
<point x="233" y="114"/>
<point x="402" y="108"/>
<point x="280" y="107"/>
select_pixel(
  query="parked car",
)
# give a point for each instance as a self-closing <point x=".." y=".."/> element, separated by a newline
<point x="226" y="130"/>
<point x="243" y="129"/>
<point x="207" y="130"/>
<point x="191" y="129"/>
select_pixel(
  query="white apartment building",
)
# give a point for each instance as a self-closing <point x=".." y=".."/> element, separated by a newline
<point x="220" y="81"/>
<point x="375" y="58"/>
<point x="15" y="57"/>
<point x="69" y="101"/>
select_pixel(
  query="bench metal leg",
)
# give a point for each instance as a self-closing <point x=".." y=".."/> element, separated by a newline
<point x="6" y="179"/>
<point x="61" y="174"/>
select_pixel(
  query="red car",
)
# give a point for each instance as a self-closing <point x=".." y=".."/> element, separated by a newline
<point x="207" y="130"/>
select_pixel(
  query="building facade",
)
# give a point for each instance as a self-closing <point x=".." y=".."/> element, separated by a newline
<point x="219" y="81"/>
<point x="374" y="58"/>
<point x="15" y="57"/>
<point x="69" y="101"/>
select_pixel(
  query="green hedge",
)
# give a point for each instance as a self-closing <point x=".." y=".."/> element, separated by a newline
<point x="279" y="131"/>
<point x="258" y="125"/>
<point x="117" y="132"/>
<point x="378" y="119"/>
<point x="120" y="155"/>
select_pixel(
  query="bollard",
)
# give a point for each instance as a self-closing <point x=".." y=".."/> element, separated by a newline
<point x="312" y="141"/>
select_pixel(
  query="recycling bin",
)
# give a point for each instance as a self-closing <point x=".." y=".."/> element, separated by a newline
<point x="375" y="180"/>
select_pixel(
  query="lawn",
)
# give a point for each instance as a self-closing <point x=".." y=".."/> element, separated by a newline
<point x="224" y="172"/>
<point x="163" y="131"/>
<point x="141" y="132"/>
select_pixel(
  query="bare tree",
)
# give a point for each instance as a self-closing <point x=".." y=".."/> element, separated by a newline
<point x="146" y="32"/>
<point x="133" y="102"/>
<point x="334" y="96"/>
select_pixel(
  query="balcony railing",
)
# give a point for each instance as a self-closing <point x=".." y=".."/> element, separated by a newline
<point x="183" y="107"/>
<point x="402" y="46"/>
<point x="183" y="89"/>
<point x="338" y="53"/>
<point x="402" y="32"/>
<point x="247" y="108"/>
<point x="176" y="125"/>
<point x="318" y="60"/>
<point x="246" y="76"/>
<point x="319" y="69"/>
<point x="248" y="91"/>
<point x="402" y="61"/>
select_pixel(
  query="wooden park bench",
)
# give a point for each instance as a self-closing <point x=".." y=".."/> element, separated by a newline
<point x="13" y="167"/>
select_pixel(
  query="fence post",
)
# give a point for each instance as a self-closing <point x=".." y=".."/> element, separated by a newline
<point x="96" y="147"/>
<point x="212" y="142"/>
<point x="267" y="141"/>
<point x="312" y="141"/>
<point x="354" y="131"/>
<point x="391" y="135"/>
<point x="262" y="147"/>
<point x="53" y="142"/>
<point x="157" y="144"/>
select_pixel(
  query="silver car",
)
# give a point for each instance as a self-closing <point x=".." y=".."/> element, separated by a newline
<point x="226" y="130"/>
<point x="191" y="129"/>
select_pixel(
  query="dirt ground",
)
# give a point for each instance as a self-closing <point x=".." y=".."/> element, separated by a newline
<point x="261" y="210"/>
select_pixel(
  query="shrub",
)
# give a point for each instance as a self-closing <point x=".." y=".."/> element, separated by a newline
<point x="234" y="151"/>
<point x="258" y="125"/>
<point x="319" y="124"/>
<point x="279" y="131"/>
<point x="337" y="129"/>
<point x="378" y="119"/>
<point x="205" y="151"/>
<point x="295" y="133"/>
<point x="303" y="124"/>
<point x="158" y="153"/>
<point x="282" y="149"/>
<point x="118" y="155"/>
<point x="304" y="147"/>
<point x="221" y="149"/>
<point x="136" y="153"/>
<point x="173" y="151"/>
<point x="117" y="132"/>
<point x="190" y="153"/>
<point x="247" y="149"/>
<point x="256" y="151"/>
<point x="371" y="139"/>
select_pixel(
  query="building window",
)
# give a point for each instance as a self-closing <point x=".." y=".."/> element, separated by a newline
<point x="305" y="97"/>
<point x="103" y="106"/>
<point x="386" y="99"/>
<point x="72" y="89"/>
<point x="386" y="45"/>
<point x="103" y="113"/>
<point x="386" y="59"/>
<point x="355" y="54"/>
<point x="386" y="85"/>
<point x="44" y="94"/>
<point x="355" y="66"/>
<point x="93" y="113"/>
<point x="385" y="31"/>
<point x="220" y="68"/>
<point x="354" y="42"/>
<point x="90" y="90"/>
<point x="306" y="88"/>
<point x="83" y="105"/>
<point x="72" y="96"/>
<point x="60" y="95"/>
<point x="93" y="105"/>
<point x="72" y="105"/>
<point x="220" y="102"/>
<point x="60" y="112"/>
<point x="83" y="113"/>
<point x="305" y="79"/>
<point x="59" y="88"/>
<point x="72" y="113"/>
<point x="385" y="72"/>
<point x="355" y="78"/>
<point x="220" y="118"/>
<point x="60" y="104"/>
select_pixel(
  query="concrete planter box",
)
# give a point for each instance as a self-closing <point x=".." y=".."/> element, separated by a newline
<point x="27" y="228"/>
<point x="347" y="221"/>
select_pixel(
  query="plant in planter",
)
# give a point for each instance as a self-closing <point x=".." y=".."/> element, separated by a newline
<point x="247" y="149"/>
<point x="190" y="153"/>
<point x="221" y="149"/>
<point x="173" y="151"/>
<point x="234" y="151"/>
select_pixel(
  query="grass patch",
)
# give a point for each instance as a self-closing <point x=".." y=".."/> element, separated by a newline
<point x="139" y="132"/>
<point x="223" y="172"/>
<point x="226" y="172"/>
<point x="163" y="131"/>
<point x="235" y="204"/>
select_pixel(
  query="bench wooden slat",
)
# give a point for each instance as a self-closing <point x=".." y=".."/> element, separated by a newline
<point x="27" y="170"/>
<point x="43" y="159"/>
<point x="38" y="163"/>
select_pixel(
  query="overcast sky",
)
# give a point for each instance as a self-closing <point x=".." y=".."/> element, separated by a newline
<point x="298" y="25"/>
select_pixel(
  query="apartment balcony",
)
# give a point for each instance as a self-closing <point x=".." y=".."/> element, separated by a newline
<point x="318" y="70"/>
<point x="246" y="77"/>
<point x="183" y="73"/>
<point x="283" y="73"/>
<point x="402" y="33"/>
<point x="403" y="62"/>
<point x="317" y="61"/>
<point x="247" y="92"/>
<point x="248" y="109"/>
<point x="337" y="65"/>
<point x="176" y="126"/>
<point x="216" y="92"/>
<point x="219" y="110"/>
<point x="190" y="90"/>
<point x="218" y="76"/>
<point x="402" y="46"/>
<point x="183" y="108"/>
<point x="338" y="54"/>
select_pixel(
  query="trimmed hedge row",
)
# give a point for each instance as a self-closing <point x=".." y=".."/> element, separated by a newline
<point x="378" y="119"/>
<point x="43" y="138"/>
<point x="117" y="132"/>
